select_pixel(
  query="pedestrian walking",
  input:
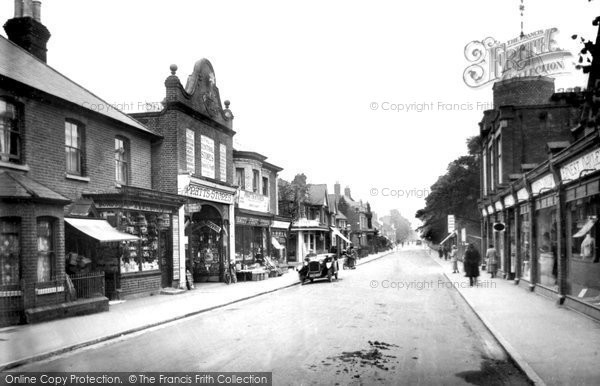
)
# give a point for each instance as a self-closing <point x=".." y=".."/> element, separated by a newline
<point x="472" y="260"/>
<point x="441" y="251"/>
<point x="492" y="260"/>
<point x="454" y="259"/>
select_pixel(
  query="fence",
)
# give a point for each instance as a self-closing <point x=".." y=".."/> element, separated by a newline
<point x="15" y="298"/>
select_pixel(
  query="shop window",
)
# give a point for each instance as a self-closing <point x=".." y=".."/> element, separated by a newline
<point x="10" y="134"/>
<point x="255" y="180"/>
<point x="546" y="237"/>
<point x="10" y="250"/>
<point x="46" y="254"/>
<point x="265" y="186"/>
<point x="141" y="255"/>
<point x="240" y="178"/>
<point x="74" y="147"/>
<point x="122" y="160"/>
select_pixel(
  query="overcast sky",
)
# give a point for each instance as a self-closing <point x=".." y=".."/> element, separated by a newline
<point x="303" y="77"/>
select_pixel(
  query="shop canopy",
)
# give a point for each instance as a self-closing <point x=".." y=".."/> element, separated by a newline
<point x="447" y="238"/>
<point x="586" y="227"/>
<point x="341" y="236"/>
<point x="99" y="230"/>
<point x="276" y="243"/>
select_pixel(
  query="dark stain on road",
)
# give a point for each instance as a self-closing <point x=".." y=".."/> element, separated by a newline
<point x="371" y="357"/>
<point x="495" y="372"/>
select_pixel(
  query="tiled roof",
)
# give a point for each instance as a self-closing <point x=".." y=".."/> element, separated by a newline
<point x="317" y="194"/>
<point x="20" y="65"/>
<point x="14" y="185"/>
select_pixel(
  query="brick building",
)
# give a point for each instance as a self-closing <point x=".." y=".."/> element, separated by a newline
<point x="194" y="159"/>
<point x="259" y="231"/>
<point x="529" y="122"/>
<point x="68" y="163"/>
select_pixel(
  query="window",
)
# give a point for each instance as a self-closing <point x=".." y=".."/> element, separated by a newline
<point x="45" y="249"/>
<point x="74" y="147"/>
<point x="239" y="177"/>
<point x="499" y="157"/>
<point x="265" y="186"/>
<point x="255" y="180"/>
<point x="121" y="160"/>
<point x="10" y="250"/>
<point x="10" y="137"/>
<point x="484" y="158"/>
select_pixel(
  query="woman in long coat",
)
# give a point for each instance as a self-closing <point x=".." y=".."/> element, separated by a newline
<point x="472" y="260"/>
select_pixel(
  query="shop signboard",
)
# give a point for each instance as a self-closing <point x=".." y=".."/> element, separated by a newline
<point x="450" y="223"/>
<point x="223" y="162"/>
<point x="253" y="201"/>
<point x="490" y="209"/>
<point x="542" y="184"/>
<point x="207" y="157"/>
<point x="587" y="163"/>
<point x="252" y="221"/>
<point x="522" y="195"/>
<point x="509" y="201"/>
<point x="190" y="151"/>
<point x="193" y="187"/>
<point x="498" y="206"/>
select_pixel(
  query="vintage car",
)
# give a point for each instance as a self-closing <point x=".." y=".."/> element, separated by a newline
<point x="318" y="267"/>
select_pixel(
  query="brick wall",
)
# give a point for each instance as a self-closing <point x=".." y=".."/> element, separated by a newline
<point x="523" y="91"/>
<point x="44" y="148"/>
<point x="139" y="285"/>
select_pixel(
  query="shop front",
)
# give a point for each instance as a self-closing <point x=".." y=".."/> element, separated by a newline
<point x="582" y="197"/>
<point x="252" y="238"/>
<point x="279" y="240"/>
<point x="511" y="233"/>
<point x="207" y="233"/>
<point x="500" y="239"/>
<point x="145" y="262"/>
<point x="524" y="236"/>
<point x="310" y="237"/>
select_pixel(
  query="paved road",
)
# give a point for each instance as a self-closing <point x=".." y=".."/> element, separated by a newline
<point x="358" y="330"/>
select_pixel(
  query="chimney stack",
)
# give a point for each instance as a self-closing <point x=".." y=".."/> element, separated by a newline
<point x="26" y="29"/>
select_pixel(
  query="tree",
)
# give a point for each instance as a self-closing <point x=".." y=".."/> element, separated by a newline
<point x="293" y="196"/>
<point x="456" y="192"/>
<point x="401" y="225"/>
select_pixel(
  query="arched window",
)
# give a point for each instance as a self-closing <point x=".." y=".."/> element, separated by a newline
<point x="46" y="253"/>
<point x="10" y="250"/>
<point x="10" y="136"/>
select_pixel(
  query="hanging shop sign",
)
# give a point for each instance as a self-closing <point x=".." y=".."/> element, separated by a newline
<point x="210" y="224"/>
<point x="451" y="223"/>
<point x="587" y="163"/>
<point x="522" y="195"/>
<point x="490" y="209"/>
<point x="483" y="212"/>
<point x="252" y="221"/>
<point x="498" y="206"/>
<point x="253" y="201"/>
<point x="542" y="184"/>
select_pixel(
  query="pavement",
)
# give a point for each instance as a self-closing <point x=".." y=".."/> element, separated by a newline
<point x="33" y="342"/>
<point x="552" y="344"/>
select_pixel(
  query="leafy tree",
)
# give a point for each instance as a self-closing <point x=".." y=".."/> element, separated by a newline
<point x="293" y="197"/>
<point x="402" y="226"/>
<point x="456" y="192"/>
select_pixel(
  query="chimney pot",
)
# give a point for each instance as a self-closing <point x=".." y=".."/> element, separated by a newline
<point x="18" y="8"/>
<point x="27" y="8"/>
<point x="37" y="10"/>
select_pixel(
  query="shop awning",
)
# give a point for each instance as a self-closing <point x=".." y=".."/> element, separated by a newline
<point x="586" y="227"/>
<point x="99" y="230"/>
<point x="341" y="236"/>
<point x="276" y="243"/>
<point x="447" y="238"/>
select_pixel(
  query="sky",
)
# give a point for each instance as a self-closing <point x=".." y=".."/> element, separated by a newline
<point x="312" y="83"/>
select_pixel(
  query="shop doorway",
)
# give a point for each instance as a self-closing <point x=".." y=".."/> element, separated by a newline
<point x="165" y="253"/>
<point x="206" y="244"/>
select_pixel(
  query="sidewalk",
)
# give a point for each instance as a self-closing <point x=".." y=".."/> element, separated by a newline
<point x="27" y="343"/>
<point x="552" y="344"/>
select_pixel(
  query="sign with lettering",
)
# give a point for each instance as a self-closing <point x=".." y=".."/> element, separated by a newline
<point x="190" y="150"/>
<point x="534" y="54"/>
<point x="252" y="221"/>
<point x="223" y="161"/>
<point x="253" y="201"/>
<point x="450" y="223"/>
<point x="490" y="209"/>
<point x="542" y="184"/>
<point x="207" y="157"/>
<point x="587" y="163"/>
<point x="211" y="225"/>
<point x="498" y="206"/>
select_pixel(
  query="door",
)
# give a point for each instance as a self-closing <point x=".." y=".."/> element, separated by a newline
<point x="165" y="253"/>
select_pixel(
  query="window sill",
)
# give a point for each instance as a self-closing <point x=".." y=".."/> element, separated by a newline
<point x="11" y="165"/>
<point x="76" y="177"/>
